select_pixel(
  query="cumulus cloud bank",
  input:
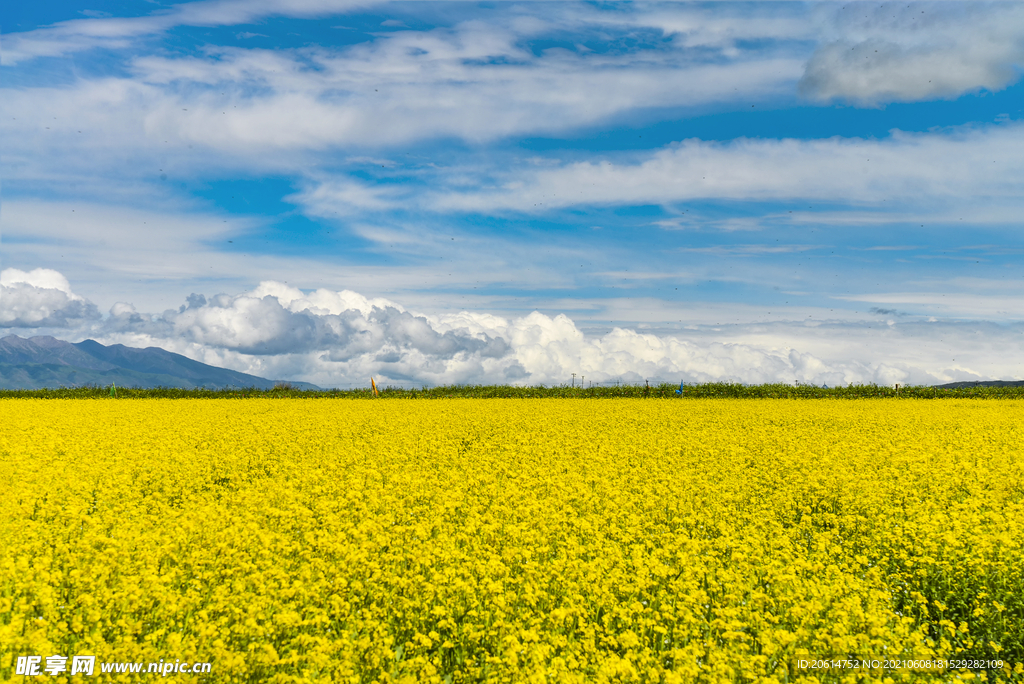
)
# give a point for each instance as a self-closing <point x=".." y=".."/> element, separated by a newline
<point x="40" y="298"/>
<point x="340" y="338"/>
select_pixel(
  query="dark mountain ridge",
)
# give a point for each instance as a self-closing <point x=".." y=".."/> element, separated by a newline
<point x="46" y="362"/>
<point x="981" y="383"/>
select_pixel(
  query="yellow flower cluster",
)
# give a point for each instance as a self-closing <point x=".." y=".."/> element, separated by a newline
<point x="514" y="540"/>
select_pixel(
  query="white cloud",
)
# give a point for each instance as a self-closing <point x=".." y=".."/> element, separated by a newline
<point x="127" y="231"/>
<point x="717" y="29"/>
<point x="341" y="349"/>
<point x="896" y="52"/>
<point x="750" y="250"/>
<point x="231" y="107"/>
<point x="963" y="164"/>
<point x="473" y="82"/>
<point x="340" y="338"/>
<point x="986" y="306"/>
<point x="68" y="37"/>
<point x="331" y="335"/>
<point x="724" y="28"/>
<point x="341" y="197"/>
<point x="41" y="278"/>
<point x="161" y="250"/>
<point x="105" y="244"/>
<point x="41" y="298"/>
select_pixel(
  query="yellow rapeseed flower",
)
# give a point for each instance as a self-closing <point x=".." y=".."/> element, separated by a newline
<point x="514" y="541"/>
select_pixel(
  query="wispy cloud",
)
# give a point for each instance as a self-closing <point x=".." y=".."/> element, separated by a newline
<point x="472" y="82"/>
<point x="750" y="250"/>
<point x="476" y="80"/>
<point x="109" y="32"/>
<point x="968" y="164"/>
<point x="952" y="303"/>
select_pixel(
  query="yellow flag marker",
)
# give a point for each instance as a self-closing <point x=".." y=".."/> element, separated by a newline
<point x="374" y="386"/>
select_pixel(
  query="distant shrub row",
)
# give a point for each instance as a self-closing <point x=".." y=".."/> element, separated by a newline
<point x="661" y="391"/>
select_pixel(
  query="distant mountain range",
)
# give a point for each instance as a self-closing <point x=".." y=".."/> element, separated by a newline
<point x="981" y="383"/>
<point x="46" y="362"/>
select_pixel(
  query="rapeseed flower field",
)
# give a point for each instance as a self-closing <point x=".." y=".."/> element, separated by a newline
<point x="515" y="540"/>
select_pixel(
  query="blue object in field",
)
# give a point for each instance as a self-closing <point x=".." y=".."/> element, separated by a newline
<point x="680" y="390"/>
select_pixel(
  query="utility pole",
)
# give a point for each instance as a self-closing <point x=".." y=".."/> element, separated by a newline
<point x="574" y="380"/>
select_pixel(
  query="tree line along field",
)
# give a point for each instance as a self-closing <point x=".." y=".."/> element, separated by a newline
<point x="707" y="540"/>
<point x="658" y="391"/>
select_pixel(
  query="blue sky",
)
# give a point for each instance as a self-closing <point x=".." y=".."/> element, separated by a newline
<point x="489" y="192"/>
